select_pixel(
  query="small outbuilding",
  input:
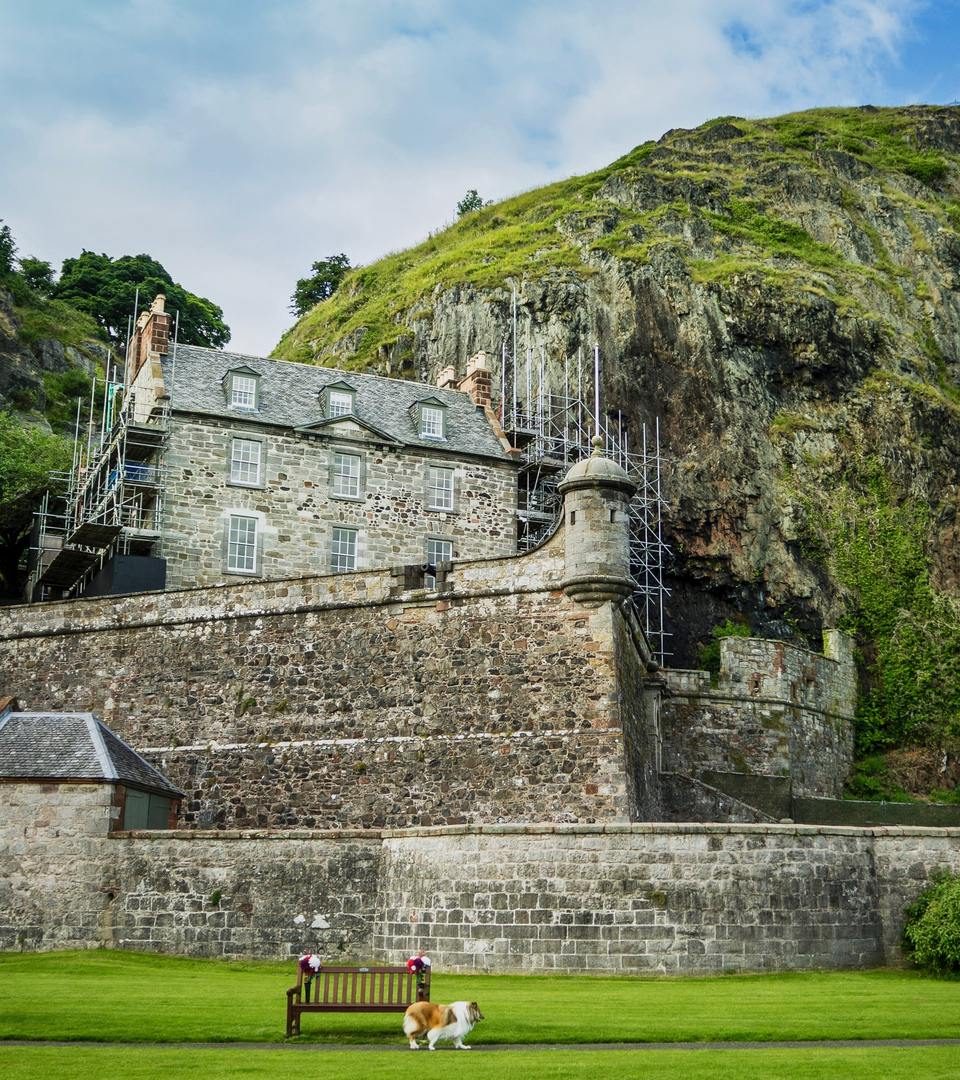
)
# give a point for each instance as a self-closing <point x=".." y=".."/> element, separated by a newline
<point x="50" y="762"/>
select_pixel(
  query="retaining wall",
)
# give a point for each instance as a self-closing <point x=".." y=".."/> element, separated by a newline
<point x="679" y="899"/>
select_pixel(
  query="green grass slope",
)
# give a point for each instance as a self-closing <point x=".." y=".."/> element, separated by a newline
<point x="708" y="195"/>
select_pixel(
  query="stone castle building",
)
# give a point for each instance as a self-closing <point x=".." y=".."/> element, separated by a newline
<point x="482" y="759"/>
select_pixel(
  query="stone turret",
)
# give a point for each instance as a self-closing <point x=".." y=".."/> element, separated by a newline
<point x="596" y="497"/>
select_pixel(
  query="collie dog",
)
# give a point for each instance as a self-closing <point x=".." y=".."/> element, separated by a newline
<point x="440" y="1022"/>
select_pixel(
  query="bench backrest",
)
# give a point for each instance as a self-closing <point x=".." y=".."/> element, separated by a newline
<point x="360" y="986"/>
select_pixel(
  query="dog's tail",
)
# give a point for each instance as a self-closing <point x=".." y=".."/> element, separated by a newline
<point x="411" y="1026"/>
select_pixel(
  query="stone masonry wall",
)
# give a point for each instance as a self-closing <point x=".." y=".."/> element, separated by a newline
<point x="51" y="853"/>
<point x="329" y="702"/>
<point x="778" y="710"/>
<point x="643" y="899"/>
<point x="297" y="511"/>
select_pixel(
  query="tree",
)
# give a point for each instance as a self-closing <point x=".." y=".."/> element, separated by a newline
<point x="28" y="455"/>
<point x="37" y="274"/>
<point x="321" y="285"/>
<point x="106" y="289"/>
<point x="470" y="202"/>
<point x="8" y="251"/>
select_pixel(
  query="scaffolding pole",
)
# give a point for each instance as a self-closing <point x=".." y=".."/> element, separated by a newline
<point x="554" y="427"/>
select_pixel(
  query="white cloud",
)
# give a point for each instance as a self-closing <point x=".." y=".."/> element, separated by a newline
<point x="237" y="154"/>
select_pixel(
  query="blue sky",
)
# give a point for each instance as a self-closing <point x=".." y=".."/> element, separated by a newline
<point x="238" y="140"/>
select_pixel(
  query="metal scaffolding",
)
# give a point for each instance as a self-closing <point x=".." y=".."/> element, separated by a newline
<point x="550" y="409"/>
<point x="111" y="501"/>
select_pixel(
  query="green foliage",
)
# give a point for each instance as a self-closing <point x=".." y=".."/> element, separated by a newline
<point x="470" y="202"/>
<point x="932" y="929"/>
<point x="709" y="655"/>
<point x="61" y="390"/>
<point x="908" y="632"/>
<point x="772" y="235"/>
<point x="787" y="423"/>
<point x="870" y="779"/>
<point x="40" y="318"/>
<point x="94" y="1062"/>
<point x="683" y="198"/>
<point x="321" y="284"/>
<point x="106" y="289"/>
<point x="37" y="275"/>
<point x="8" y="251"/>
<point x="883" y="138"/>
<point x="27" y="457"/>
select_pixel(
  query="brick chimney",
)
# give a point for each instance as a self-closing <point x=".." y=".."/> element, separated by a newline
<point x="476" y="382"/>
<point x="151" y="337"/>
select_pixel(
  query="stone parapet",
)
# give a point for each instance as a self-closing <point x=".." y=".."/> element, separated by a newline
<point x="777" y="710"/>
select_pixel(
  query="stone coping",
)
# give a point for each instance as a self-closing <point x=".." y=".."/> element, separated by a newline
<point x="739" y="698"/>
<point x="656" y="828"/>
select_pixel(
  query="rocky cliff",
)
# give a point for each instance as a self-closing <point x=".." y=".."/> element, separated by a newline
<point x="48" y="355"/>
<point x="783" y="295"/>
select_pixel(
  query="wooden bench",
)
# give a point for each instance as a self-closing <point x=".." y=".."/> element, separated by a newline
<point x="355" y="989"/>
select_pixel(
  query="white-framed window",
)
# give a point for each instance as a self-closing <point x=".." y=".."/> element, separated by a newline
<point x="438" y="551"/>
<point x="242" y="544"/>
<point x="346" y="474"/>
<point x="243" y="391"/>
<point x="343" y="550"/>
<point x="340" y="403"/>
<point x="245" y="461"/>
<point x="431" y="422"/>
<point x="439" y="488"/>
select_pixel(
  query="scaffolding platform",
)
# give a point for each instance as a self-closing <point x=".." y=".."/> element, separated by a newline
<point x="67" y="566"/>
<point x="93" y="534"/>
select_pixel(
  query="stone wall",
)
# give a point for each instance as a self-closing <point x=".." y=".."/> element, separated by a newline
<point x="777" y="710"/>
<point x="296" y="510"/>
<point x="643" y="899"/>
<point x="52" y="855"/>
<point x="343" y="701"/>
<point x="346" y="700"/>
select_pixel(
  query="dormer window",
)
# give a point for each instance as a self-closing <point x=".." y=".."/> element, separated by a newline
<point x="338" y="399"/>
<point x="432" y="422"/>
<point x="243" y="389"/>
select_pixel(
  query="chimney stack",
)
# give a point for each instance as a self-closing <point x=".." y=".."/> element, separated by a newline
<point x="477" y="381"/>
<point x="447" y="378"/>
<point x="151" y="336"/>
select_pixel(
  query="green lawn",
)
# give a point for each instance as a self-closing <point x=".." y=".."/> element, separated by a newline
<point x="96" y="1063"/>
<point x="122" y="997"/>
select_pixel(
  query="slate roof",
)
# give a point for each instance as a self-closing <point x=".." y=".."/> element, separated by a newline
<point x="289" y="397"/>
<point x="72" y="746"/>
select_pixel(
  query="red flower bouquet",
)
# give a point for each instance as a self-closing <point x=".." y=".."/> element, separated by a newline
<point x="309" y="964"/>
<point x="418" y="964"/>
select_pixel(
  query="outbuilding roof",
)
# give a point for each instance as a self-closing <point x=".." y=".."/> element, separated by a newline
<point x="289" y="396"/>
<point x="72" y="746"/>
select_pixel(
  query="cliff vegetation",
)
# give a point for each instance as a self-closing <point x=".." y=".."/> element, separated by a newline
<point x="783" y="295"/>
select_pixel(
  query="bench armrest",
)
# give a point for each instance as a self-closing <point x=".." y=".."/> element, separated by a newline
<point x="293" y="994"/>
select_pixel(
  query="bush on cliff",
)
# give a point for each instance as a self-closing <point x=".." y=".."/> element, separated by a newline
<point x="932" y="931"/>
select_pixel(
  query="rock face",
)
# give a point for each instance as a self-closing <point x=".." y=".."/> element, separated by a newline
<point x="782" y="294"/>
<point x="23" y="363"/>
